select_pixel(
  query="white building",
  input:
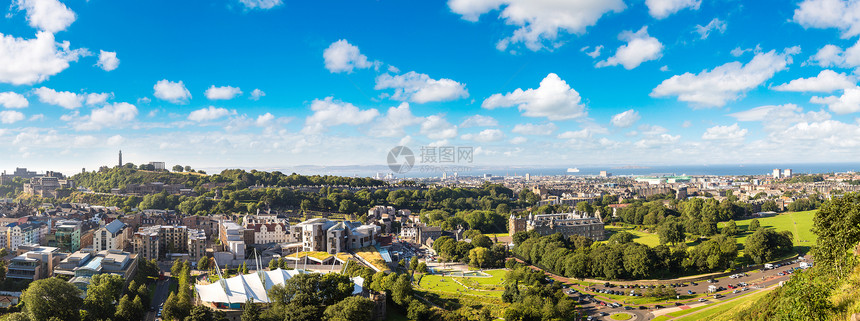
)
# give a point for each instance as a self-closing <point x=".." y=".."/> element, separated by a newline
<point x="159" y="166"/>
<point x="111" y="236"/>
<point x="786" y="172"/>
<point x="776" y="173"/>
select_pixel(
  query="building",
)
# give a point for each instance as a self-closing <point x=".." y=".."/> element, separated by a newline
<point x="324" y="235"/>
<point x="786" y="173"/>
<point x="234" y="237"/>
<point x="196" y="244"/>
<point x="776" y="173"/>
<point x="112" y="236"/>
<point x="159" y="166"/>
<point x="605" y="174"/>
<point x="379" y="210"/>
<point x="566" y="223"/>
<point x="82" y="265"/>
<point x="267" y="228"/>
<point x="34" y="262"/>
<point x="428" y="232"/>
<point x="47" y="186"/>
<point x="19" y="172"/>
<point x="153" y="242"/>
<point x="67" y="235"/>
<point x="26" y="233"/>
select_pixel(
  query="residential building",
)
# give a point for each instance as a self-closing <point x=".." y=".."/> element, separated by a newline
<point x="82" y="265"/>
<point x="153" y="242"/>
<point x="112" y="236"/>
<point x="566" y="223"/>
<point x="267" y="228"/>
<point x="33" y="262"/>
<point x="26" y="233"/>
<point x="67" y="235"/>
<point x="196" y="244"/>
<point x="776" y="173"/>
<point x="233" y="237"/>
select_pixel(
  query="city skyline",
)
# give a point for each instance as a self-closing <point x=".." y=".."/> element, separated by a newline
<point x="278" y="84"/>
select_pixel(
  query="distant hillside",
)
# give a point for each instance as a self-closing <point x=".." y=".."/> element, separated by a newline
<point x="234" y="178"/>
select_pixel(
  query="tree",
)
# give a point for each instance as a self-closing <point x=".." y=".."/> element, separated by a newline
<point x="479" y="256"/>
<point x="671" y="231"/>
<point x="203" y="264"/>
<point x="126" y="310"/>
<point x="417" y="311"/>
<point x="273" y="264"/>
<point x="413" y="263"/>
<point x="584" y="207"/>
<point x="200" y="313"/>
<point x="178" y="168"/>
<point x="754" y="225"/>
<point x="354" y="308"/>
<point x="102" y="294"/>
<point x="401" y="291"/>
<point x="188" y="168"/>
<point x="766" y="244"/>
<point x="731" y="228"/>
<point x="422" y="267"/>
<point x="769" y="206"/>
<point x="251" y="311"/>
<point x="52" y="297"/>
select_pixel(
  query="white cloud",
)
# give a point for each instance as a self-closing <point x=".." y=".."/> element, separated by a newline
<point x="664" y="68"/>
<point x="833" y="56"/>
<point x="48" y="15"/>
<point x="97" y="98"/>
<point x="28" y="61"/>
<point x="848" y="102"/>
<point x="395" y="120"/>
<point x="518" y="140"/>
<point x="420" y="88"/>
<point x="775" y="117"/>
<point x="436" y="127"/>
<point x="485" y="136"/>
<point x="261" y="4"/>
<point x="11" y="99"/>
<point x="208" y="114"/>
<point x="111" y="115"/>
<point x="264" y="119"/>
<point x="625" y="119"/>
<point x="37" y="117"/>
<point x="535" y="129"/>
<point x="826" y="81"/>
<point x="733" y="132"/>
<point x="108" y="60"/>
<point x="657" y="141"/>
<point x="553" y="99"/>
<point x="652" y="130"/>
<point x="256" y="94"/>
<point x="714" y="25"/>
<point x="11" y="116"/>
<point x="713" y="88"/>
<point x="479" y="121"/>
<point x="839" y="14"/>
<point x="573" y="135"/>
<point x="341" y="56"/>
<point x="594" y="53"/>
<point x="539" y="21"/>
<point x="223" y="92"/>
<point x="640" y="48"/>
<point x="115" y="140"/>
<point x="85" y="141"/>
<point x="686" y="124"/>
<point x="65" y="99"/>
<point x="330" y="112"/>
<point x="174" y="92"/>
<point x="738" y="51"/>
<point x="663" y="8"/>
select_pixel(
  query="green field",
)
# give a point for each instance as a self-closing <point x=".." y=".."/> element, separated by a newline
<point x="621" y="316"/>
<point x="724" y="311"/>
<point x="646" y="238"/>
<point x="482" y="285"/>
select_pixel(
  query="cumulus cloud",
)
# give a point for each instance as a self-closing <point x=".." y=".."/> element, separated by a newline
<point x="826" y="81"/>
<point x="663" y="8"/>
<point x="733" y="132"/>
<point x="97" y="98"/>
<point x="11" y="116"/>
<point x="848" y="102"/>
<point x="264" y="119"/>
<point x="823" y="14"/>
<point x="395" y="120"/>
<point x="48" y="15"/>
<point x="539" y="21"/>
<point x="65" y="99"/>
<point x="657" y="141"/>
<point x="714" y="25"/>
<point x="485" y="136"/>
<point x="625" y="119"/>
<point x="436" y="127"/>
<point x="714" y="88"/>
<point x="85" y="140"/>
<point x="174" y="92"/>
<point x="222" y="93"/>
<point x="518" y="140"/>
<point x="329" y="112"/>
<point x="341" y="56"/>
<point x="13" y="100"/>
<point x="108" y="60"/>
<point x="111" y="115"/>
<point x="208" y="114"/>
<point x="479" y="121"/>
<point x="553" y="99"/>
<point x="775" y="117"/>
<point x="115" y="140"/>
<point x="594" y="53"/>
<point x="535" y="129"/>
<point x="640" y="48"/>
<point x="833" y="56"/>
<point x="256" y="94"/>
<point x="261" y="4"/>
<point x="420" y="88"/>
<point x="29" y="61"/>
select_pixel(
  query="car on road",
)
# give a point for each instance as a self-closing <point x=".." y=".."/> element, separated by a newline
<point x="627" y="308"/>
<point x="702" y="299"/>
<point x="689" y="292"/>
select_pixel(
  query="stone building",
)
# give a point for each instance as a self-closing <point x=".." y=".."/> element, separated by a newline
<point x="566" y="223"/>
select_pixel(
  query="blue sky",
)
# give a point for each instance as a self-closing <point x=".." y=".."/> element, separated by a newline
<point x="279" y="83"/>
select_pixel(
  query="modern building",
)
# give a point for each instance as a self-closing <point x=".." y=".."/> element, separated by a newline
<point x="112" y="236"/>
<point x="82" y="265"/>
<point x="566" y="223"/>
<point x="786" y="173"/>
<point x="324" y="235"/>
<point x="159" y="166"/>
<point x="26" y="233"/>
<point x="776" y="173"/>
<point x="67" y="235"/>
<point x="196" y="244"/>
<point x="33" y="262"/>
<point x="153" y="242"/>
<point x="234" y="238"/>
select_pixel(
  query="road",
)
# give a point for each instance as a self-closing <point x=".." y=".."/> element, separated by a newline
<point x="162" y="290"/>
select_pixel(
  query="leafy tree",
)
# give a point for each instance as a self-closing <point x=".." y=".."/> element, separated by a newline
<point x="273" y="264"/>
<point x="482" y="241"/>
<point x="769" y="206"/>
<point x="754" y="225"/>
<point x="401" y="291"/>
<point x="200" y="313"/>
<point x="126" y="310"/>
<point x="413" y="263"/>
<point x="251" y="311"/>
<point x="584" y="207"/>
<point x="422" y="267"/>
<point x="417" y="311"/>
<point x="621" y="237"/>
<point x="203" y="264"/>
<point x="178" y="168"/>
<point x="671" y="231"/>
<point x="766" y="244"/>
<point x="479" y="256"/>
<point x="52" y="297"/>
<point x="354" y="308"/>
<point x="731" y="228"/>
<point x="102" y="294"/>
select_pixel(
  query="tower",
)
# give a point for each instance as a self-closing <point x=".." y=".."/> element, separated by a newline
<point x="120" y="159"/>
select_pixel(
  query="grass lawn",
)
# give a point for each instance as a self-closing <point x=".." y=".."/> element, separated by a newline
<point x="725" y="309"/>
<point x="314" y="254"/>
<point x="621" y="316"/>
<point x="650" y="239"/>
<point x="371" y="255"/>
<point x="799" y="223"/>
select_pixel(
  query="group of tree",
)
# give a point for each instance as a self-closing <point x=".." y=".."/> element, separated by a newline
<point x="480" y="252"/>
<point x="178" y="305"/>
<point x="313" y="296"/>
<point x="620" y="257"/>
<point x="532" y="297"/>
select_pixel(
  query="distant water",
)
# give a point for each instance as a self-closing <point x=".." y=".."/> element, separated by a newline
<point x="720" y="170"/>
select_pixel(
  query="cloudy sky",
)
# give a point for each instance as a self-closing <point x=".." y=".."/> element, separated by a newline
<point x="279" y="83"/>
